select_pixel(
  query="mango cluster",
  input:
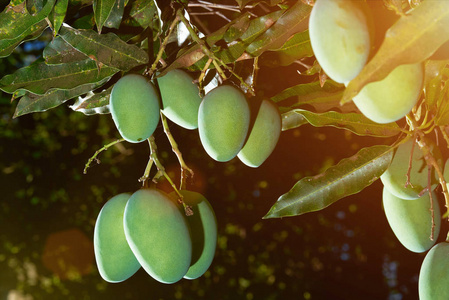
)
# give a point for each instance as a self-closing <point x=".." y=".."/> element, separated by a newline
<point x="149" y="229"/>
<point x="226" y="124"/>
<point x="341" y="40"/>
<point x="415" y="217"/>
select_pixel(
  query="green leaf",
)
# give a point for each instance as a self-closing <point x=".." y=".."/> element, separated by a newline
<point x="356" y="123"/>
<point x="39" y="77"/>
<point x="107" y="49"/>
<point x="297" y="47"/>
<point x="321" y="98"/>
<point x="38" y="103"/>
<point x="58" y="15"/>
<point x="59" y="51"/>
<point x="237" y="29"/>
<point x="349" y="176"/>
<point x="141" y="14"/>
<point x="17" y="25"/>
<point x="410" y="40"/>
<point x="291" y="119"/>
<point x="93" y="103"/>
<point x="108" y="13"/>
<point x="294" y="20"/>
<point x="34" y="6"/>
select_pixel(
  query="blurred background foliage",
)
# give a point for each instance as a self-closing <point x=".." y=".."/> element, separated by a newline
<point x="48" y="209"/>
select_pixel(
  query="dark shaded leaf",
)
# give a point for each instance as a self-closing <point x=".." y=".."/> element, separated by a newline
<point x="108" y="13"/>
<point x="349" y="176"/>
<point x="141" y="14"/>
<point x="410" y="40"/>
<point x="59" y="51"/>
<point x="35" y="6"/>
<point x="356" y="123"/>
<point x="38" y="78"/>
<point x="107" y="49"/>
<point x="58" y="15"/>
<point x="93" y="103"/>
<point x="294" y="20"/>
<point x="37" y="103"/>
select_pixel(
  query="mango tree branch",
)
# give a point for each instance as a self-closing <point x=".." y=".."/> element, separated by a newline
<point x="174" y="146"/>
<point x="94" y="157"/>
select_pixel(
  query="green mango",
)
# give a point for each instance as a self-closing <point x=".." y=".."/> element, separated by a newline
<point x="134" y="105"/>
<point x="223" y="122"/>
<point x="433" y="283"/>
<point x="203" y="232"/>
<point x="158" y="234"/>
<point x="391" y="98"/>
<point x="411" y="220"/>
<point x="340" y="38"/>
<point x="394" y="177"/>
<point x="115" y="260"/>
<point x="180" y="98"/>
<point x="263" y="137"/>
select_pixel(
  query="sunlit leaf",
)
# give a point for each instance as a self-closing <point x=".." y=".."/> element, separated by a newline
<point x="356" y="123"/>
<point x="17" y="25"/>
<point x="321" y="98"/>
<point x="38" y="103"/>
<point x="38" y="78"/>
<point x="297" y="47"/>
<point x="349" y="176"/>
<point x="294" y="20"/>
<point x="410" y="40"/>
<point x="59" y="51"/>
<point x="107" y="49"/>
<point x="93" y="103"/>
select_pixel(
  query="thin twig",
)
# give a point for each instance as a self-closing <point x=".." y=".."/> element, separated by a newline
<point x="94" y="157"/>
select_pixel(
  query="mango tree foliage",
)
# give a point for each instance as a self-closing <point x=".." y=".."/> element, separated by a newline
<point x="92" y="44"/>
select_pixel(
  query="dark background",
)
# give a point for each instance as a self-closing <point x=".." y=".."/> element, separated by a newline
<point x="48" y="210"/>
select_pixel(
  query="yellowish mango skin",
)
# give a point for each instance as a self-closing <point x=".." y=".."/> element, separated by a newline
<point x="223" y="122"/>
<point x="115" y="260"/>
<point x="394" y="178"/>
<point x="340" y="38"/>
<point x="411" y="220"/>
<point x="180" y="98"/>
<point x="158" y="234"/>
<point x="433" y="283"/>
<point x="203" y="230"/>
<point x="134" y="106"/>
<point x="391" y="98"/>
<point x="263" y="137"/>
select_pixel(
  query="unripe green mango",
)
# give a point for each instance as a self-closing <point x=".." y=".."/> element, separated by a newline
<point x="391" y="98"/>
<point x="433" y="283"/>
<point x="340" y="38"/>
<point x="394" y="178"/>
<point x="134" y="105"/>
<point x="180" y="98"/>
<point x="158" y="234"/>
<point x="223" y="122"/>
<point x="203" y="232"/>
<point x="263" y="137"/>
<point x="411" y="220"/>
<point x="115" y="260"/>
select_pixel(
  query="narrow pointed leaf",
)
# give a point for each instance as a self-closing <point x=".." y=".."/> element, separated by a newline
<point x="410" y="40"/>
<point x="106" y="13"/>
<point x="294" y="20"/>
<point x="38" y="78"/>
<point x="93" y="103"/>
<point x="356" y="123"/>
<point x="58" y="15"/>
<point x="59" y="51"/>
<point x="291" y="119"/>
<point x="38" y="103"/>
<point x="107" y="49"/>
<point x="349" y="176"/>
